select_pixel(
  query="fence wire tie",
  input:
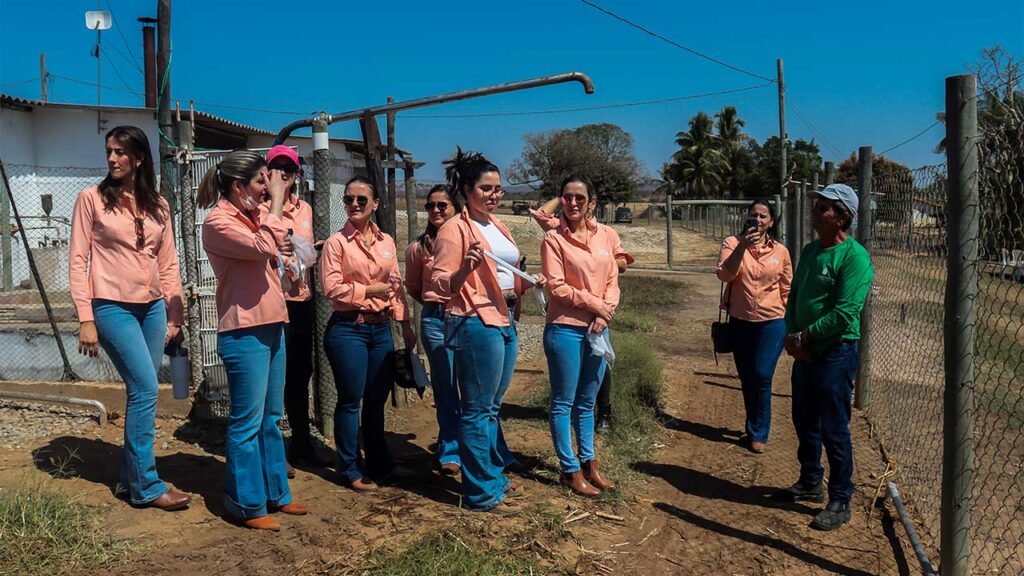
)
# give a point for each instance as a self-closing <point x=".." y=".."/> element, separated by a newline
<point x="184" y="156"/>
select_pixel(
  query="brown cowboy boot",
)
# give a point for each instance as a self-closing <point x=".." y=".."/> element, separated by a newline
<point x="592" y="473"/>
<point x="575" y="482"/>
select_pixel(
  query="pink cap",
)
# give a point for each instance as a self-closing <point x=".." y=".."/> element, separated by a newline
<point x="282" y="150"/>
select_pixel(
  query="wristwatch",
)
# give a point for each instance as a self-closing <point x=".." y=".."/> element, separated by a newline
<point x="799" y="338"/>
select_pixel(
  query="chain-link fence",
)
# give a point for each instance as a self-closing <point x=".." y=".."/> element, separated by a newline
<point x="909" y="308"/>
<point x="45" y="199"/>
<point x="909" y="257"/>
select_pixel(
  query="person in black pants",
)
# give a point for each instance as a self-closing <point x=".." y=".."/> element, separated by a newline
<point x="297" y="215"/>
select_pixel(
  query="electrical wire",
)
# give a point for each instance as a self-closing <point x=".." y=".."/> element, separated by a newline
<point x="118" y="74"/>
<point x="817" y="133"/>
<point x="676" y="44"/>
<point x="18" y="83"/>
<point x="911" y="139"/>
<point x="134" y="58"/>
<point x="588" y="108"/>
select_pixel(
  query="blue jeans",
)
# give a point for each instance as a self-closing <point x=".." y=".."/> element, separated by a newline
<point x="822" y="391"/>
<point x="442" y="380"/>
<point x="756" y="349"/>
<point x="576" y="376"/>
<point x="362" y="359"/>
<point x="485" y="357"/>
<point x="133" y="335"/>
<point x="256" y="474"/>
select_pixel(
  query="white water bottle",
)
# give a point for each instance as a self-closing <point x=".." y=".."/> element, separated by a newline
<point x="179" y="369"/>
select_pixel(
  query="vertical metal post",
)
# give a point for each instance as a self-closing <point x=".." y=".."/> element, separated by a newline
<point x="783" y="173"/>
<point x="961" y="299"/>
<point x="163" y="114"/>
<point x="862" y="390"/>
<point x="325" y="395"/>
<point x="390" y="172"/>
<point x="411" y="216"/>
<point x="668" y="228"/>
<point x="830" y="173"/>
<point x="42" y="76"/>
<point x="188" y="242"/>
<point x="5" y="243"/>
<point x="790" y="220"/>
<point x="805" y="215"/>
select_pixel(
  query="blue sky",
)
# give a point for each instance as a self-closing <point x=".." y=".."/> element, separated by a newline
<point x="861" y="74"/>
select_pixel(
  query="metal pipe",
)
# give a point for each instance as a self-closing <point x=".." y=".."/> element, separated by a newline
<point x="915" y="541"/>
<point x="588" y="87"/>
<point x="70" y="400"/>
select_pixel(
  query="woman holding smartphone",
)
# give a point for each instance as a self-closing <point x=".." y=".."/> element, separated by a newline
<point x="758" y="272"/>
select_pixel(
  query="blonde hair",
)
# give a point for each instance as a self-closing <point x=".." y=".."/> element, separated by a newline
<point x="240" y="165"/>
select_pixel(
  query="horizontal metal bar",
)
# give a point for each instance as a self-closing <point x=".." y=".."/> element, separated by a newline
<point x="588" y="87"/>
<point x="53" y="399"/>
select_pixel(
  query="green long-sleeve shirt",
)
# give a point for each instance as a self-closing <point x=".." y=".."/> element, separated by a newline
<point x="828" y="293"/>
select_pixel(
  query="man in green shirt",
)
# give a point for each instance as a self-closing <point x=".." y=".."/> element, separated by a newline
<point x="823" y="326"/>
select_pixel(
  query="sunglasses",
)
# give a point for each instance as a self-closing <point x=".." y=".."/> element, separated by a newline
<point x="577" y="198"/>
<point x="442" y="206"/>
<point x="491" y="190"/>
<point x="288" y="169"/>
<point x="362" y="200"/>
<point x="140" y="233"/>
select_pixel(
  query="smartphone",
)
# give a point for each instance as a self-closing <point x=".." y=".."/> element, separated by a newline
<point x="750" y="223"/>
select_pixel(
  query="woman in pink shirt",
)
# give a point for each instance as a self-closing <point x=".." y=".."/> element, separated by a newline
<point x="758" y="273"/>
<point x="479" y="327"/>
<point x="441" y="207"/>
<point x="243" y="244"/>
<point x="359" y="274"/>
<point x="297" y="216"/>
<point x="578" y="260"/>
<point x="126" y="287"/>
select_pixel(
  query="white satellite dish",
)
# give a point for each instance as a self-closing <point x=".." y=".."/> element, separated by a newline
<point x="97" y="20"/>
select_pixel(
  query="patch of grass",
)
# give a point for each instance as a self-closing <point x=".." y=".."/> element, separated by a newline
<point x="44" y="531"/>
<point x="642" y="299"/>
<point x="478" y="545"/>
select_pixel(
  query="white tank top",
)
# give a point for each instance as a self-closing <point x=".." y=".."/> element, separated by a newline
<point x="504" y="249"/>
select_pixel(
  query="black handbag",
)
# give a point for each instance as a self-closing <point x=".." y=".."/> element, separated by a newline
<point x="410" y="372"/>
<point x="721" y="333"/>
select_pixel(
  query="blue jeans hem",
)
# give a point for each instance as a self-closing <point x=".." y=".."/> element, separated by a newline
<point x="491" y="503"/>
<point x="141" y="502"/>
<point x="244" y="512"/>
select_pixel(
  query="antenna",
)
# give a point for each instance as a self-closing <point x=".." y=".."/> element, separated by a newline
<point x="98" y="20"/>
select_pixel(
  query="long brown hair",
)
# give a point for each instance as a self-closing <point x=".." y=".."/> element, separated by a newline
<point x="147" y="198"/>
<point x="241" y="165"/>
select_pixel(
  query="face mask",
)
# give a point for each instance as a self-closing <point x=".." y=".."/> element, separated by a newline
<point x="249" y="202"/>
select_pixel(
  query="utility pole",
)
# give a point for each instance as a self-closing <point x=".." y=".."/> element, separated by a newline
<point x="163" y="114"/>
<point x="42" y="75"/>
<point x="783" y="226"/>
<point x="390" y="174"/>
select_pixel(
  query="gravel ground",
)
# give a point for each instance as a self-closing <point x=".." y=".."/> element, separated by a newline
<point x="23" y="422"/>
<point x="531" y="342"/>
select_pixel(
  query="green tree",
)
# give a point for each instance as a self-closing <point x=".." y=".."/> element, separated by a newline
<point x="602" y="152"/>
<point x="732" y="142"/>
<point x="698" y="168"/>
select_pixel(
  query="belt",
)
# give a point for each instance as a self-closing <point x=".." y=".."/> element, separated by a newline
<point x="363" y="316"/>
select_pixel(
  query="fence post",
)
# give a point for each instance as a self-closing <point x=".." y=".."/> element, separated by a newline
<point x="830" y="173"/>
<point x="5" y="242"/>
<point x="862" y="391"/>
<point x="961" y="297"/>
<point x="650" y="214"/>
<point x="187" y="201"/>
<point x="411" y="210"/>
<point x="325" y="393"/>
<point x="668" y="227"/>
<point x="805" y="214"/>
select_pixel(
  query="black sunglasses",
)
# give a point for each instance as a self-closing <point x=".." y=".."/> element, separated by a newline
<point x="288" y="169"/>
<point x="442" y="206"/>
<point x="363" y="200"/>
<point x="140" y="233"/>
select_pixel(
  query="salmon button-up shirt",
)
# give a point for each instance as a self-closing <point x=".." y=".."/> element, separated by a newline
<point x="241" y="249"/>
<point x="105" y="260"/>
<point x="419" y="266"/>
<point x="582" y="277"/>
<point x="758" y="292"/>
<point x="297" y="216"/>
<point x="347" y="268"/>
<point x="480" y="294"/>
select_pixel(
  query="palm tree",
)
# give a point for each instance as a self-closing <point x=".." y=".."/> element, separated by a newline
<point x="699" y="165"/>
<point x="731" y="139"/>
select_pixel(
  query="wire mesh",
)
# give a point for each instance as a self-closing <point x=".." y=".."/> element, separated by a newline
<point x="907" y="321"/>
<point x="45" y="198"/>
<point x="997" y="539"/>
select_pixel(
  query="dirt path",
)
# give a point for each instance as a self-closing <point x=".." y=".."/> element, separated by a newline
<point x="698" y="506"/>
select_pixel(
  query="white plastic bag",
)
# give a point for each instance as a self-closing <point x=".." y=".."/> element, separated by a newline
<point x="601" y="345"/>
<point x="303" y="257"/>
